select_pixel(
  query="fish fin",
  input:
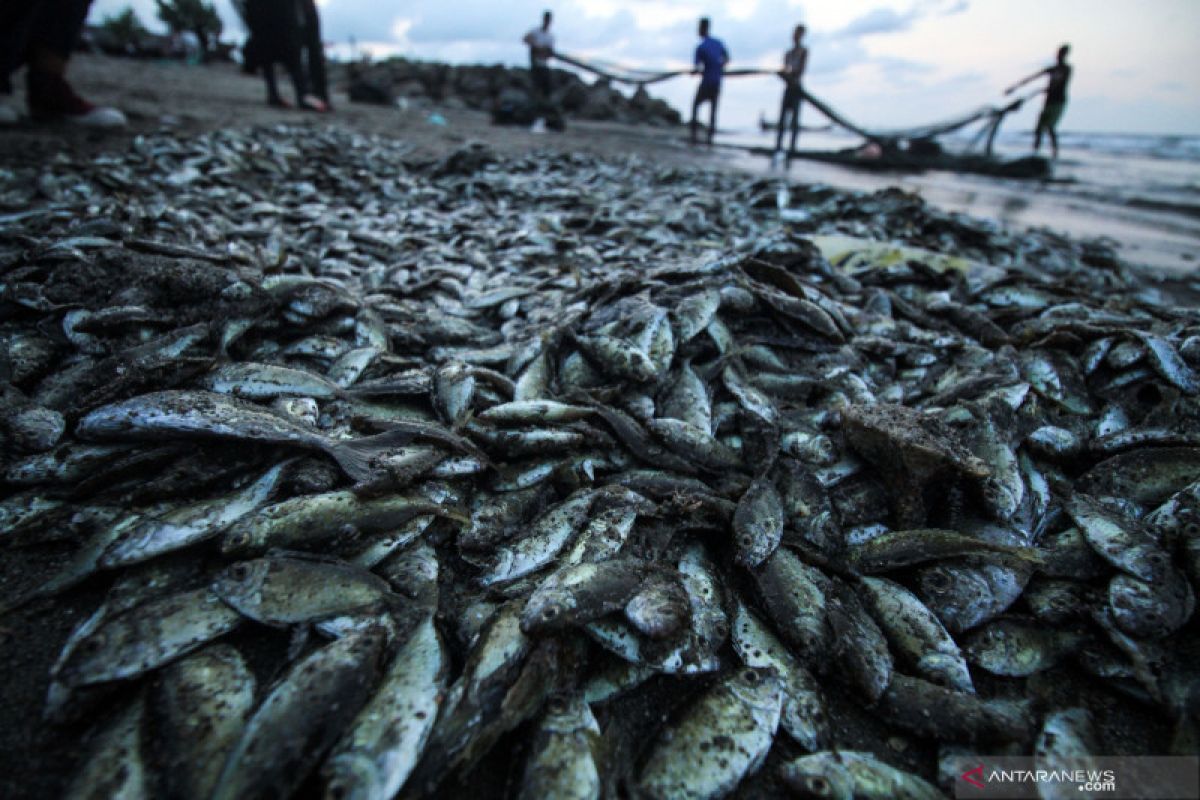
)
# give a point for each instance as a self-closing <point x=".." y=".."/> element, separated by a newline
<point x="298" y="641"/>
<point x="467" y="419"/>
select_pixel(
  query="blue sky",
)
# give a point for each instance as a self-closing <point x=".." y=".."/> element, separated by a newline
<point x="881" y="62"/>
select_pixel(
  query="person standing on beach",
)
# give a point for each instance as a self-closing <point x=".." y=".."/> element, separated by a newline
<point x="541" y="49"/>
<point x="711" y="58"/>
<point x="41" y="35"/>
<point x="276" y="31"/>
<point x="1056" y="99"/>
<point x="794" y="62"/>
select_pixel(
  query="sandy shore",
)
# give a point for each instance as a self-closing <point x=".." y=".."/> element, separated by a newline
<point x="194" y="99"/>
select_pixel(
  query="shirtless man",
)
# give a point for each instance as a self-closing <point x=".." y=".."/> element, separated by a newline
<point x="1056" y="99"/>
<point x="794" y="62"/>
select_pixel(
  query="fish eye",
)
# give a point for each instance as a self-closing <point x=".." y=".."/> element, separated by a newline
<point x="557" y="705"/>
<point x="750" y="676"/>
<point x="240" y="572"/>
<point x="817" y="785"/>
<point x="550" y="612"/>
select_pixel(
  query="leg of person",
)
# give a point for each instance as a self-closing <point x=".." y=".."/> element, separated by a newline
<point x="554" y="117"/>
<point x="541" y="86"/>
<point x="779" y="123"/>
<point x="696" y="101"/>
<point x="273" y="96"/>
<point x="53" y="36"/>
<point x="795" y="125"/>
<point x="316" y="52"/>
<point x="1037" y="134"/>
<point x="712" y="118"/>
<point x="1051" y="117"/>
<point x="295" y="70"/>
<point x="57" y="25"/>
<point x="16" y="18"/>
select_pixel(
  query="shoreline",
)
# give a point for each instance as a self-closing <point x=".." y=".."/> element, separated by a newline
<point x="188" y="100"/>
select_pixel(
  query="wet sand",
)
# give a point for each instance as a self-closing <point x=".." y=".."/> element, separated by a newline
<point x="193" y="99"/>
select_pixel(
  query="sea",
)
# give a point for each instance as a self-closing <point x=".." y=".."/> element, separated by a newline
<point x="1140" y="192"/>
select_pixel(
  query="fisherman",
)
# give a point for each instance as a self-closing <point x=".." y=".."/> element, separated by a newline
<point x="1056" y="99"/>
<point x="711" y="58"/>
<point x="541" y="49"/>
<point x="794" y="62"/>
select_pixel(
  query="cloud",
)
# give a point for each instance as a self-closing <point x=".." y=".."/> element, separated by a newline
<point x="884" y="19"/>
<point x="469" y="20"/>
<point x="878" y="20"/>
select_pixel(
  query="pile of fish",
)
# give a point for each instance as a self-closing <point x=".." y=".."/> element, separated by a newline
<point x="563" y="477"/>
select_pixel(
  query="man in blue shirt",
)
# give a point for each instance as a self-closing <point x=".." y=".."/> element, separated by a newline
<point x="711" y="58"/>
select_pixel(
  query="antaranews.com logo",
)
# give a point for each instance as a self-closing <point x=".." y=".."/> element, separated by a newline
<point x="1137" y="778"/>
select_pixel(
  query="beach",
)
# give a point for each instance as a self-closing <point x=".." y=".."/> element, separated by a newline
<point x="1135" y="192"/>
<point x="395" y="452"/>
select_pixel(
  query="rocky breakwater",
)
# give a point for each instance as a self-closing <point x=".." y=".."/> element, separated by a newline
<point x="481" y="87"/>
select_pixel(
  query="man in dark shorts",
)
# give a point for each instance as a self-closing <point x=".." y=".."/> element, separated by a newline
<point x="794" y="62"/>
<point x="711" y="58"/>
<point x="1056" y="99"/>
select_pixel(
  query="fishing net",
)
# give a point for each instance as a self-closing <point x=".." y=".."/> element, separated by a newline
<point x="919" y="140"/>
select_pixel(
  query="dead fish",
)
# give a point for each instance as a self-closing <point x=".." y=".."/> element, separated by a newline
<point x="174" y="414"/>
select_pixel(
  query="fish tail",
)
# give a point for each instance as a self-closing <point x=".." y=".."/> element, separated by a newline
<point x="360" y="458"/>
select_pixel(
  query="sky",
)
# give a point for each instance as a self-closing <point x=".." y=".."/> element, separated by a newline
<point x="881" y="63"/>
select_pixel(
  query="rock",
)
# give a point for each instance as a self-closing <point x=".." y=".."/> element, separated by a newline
<point x="495" y="88"/>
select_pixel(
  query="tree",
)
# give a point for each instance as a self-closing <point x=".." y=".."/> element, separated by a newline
<point x="124" y="31"/>
<point x="197" y="16"/>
